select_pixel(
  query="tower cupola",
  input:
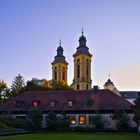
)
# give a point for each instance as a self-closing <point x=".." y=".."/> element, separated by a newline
<point x="59" y="57"/>
<point x="82" y="66"/>
<point x="59" y="49"/>
<point x="82" y="39"/>
<point x="59" y="66"/>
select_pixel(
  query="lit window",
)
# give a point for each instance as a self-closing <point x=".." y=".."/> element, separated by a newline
<point x="35" y="104"/>
<point x="82" y="119"/>
<point x="72" y="120"/>
<point x="70" y="103"/>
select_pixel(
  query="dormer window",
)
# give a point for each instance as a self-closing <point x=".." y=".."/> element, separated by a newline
<point x="19" y="104"/>
<point x="52" y="103"/>
<point x="35" y="104"/>
<point x="89" y="102"/>
<point x="70" y="103"/>
<point x="125" y="95"/>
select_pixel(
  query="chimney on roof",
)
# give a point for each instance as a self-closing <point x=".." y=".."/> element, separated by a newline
<point x="96" y="88"/>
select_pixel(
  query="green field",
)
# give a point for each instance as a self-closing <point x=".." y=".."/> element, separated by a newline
<point x="73" y="136"/>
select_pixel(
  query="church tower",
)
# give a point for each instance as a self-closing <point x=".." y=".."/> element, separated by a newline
<point x="82" y="66"/>
<point x="59" y="66"/>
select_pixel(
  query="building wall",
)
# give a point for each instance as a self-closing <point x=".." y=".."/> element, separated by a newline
<point x="59" y="70"/>
<point x="84" y="80"/>
<point x="109" y="123"/>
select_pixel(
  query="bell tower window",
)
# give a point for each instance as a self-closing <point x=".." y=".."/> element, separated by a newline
<point x="63" y="74"/>
<point x="78" y="68"/>
<point x="78" y="87"/>
<point x="87" y="69"/>
<point x="86" y="87"/>
<point x="55" y="73"/>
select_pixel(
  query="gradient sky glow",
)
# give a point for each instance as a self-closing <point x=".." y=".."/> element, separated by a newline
<point x="30" y="31"/>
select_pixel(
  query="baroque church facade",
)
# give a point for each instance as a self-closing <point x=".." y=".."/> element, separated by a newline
<point x="82" y="66"/>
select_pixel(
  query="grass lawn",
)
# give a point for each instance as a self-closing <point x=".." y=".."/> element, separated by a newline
<point x="73" y="136"/>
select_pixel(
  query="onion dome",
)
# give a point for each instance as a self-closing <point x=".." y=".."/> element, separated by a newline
<point x="108" y="82"/>
<point x="59" y="57"/>
<point x="82" y="48"/>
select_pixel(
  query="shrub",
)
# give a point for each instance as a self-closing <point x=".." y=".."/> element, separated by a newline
<point x="35" y="118"/>
<point x="22" y="124"/>
<point x="54" y="122"/>
<point x="98" y="122"/>
<point x="122" y="120"/>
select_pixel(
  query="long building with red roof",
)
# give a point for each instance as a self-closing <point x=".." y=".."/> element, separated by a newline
<point x="76" y="104"/>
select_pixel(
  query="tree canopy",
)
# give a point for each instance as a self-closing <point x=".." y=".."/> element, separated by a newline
<point x="137" y="111"/>
<point x="17" y="85"/>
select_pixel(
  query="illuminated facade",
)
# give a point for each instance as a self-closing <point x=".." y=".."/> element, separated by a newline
<point x="82" y="66"/>
<point x="59" y="66"/>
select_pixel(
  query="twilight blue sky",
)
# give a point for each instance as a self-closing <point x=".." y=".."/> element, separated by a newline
<point x="30" y="31"/>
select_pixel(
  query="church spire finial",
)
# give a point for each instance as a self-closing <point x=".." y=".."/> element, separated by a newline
<point x="59" y="42"/>
<point x="109" y="76"/>
<point x="82" y="30"/>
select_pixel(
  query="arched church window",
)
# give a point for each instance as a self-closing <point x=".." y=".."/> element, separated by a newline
<point x="55" y="73"/>
<point x="78" y="61"/>
<point x="87" y="87"/>
<point x="35" y="103"/>
<point x="78" y="68"/>
<point x="63" y="74"/>
<point x="87" y="67"/>
<point x="78" y="87"/>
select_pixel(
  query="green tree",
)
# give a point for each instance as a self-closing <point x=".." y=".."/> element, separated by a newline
<point x="60" y="86"/>
<point x="122" y="120"/>
<point x="35" y="118"/>
<point x="7" y="121"/>
<point x="32" y="86"/>
<point x="62" y="122"/>
<point x="17" y="86"/>
<point x="8" y="95"/>
<point x="137" y="111"/>
<point x="3" y="91"/>
<point x="51" y="121"/>
<point x="98" y="121"/>
<point x="59" y="123"/>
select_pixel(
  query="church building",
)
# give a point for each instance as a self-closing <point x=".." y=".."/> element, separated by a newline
<point x="82" y="66"/>
<point x="81" y="104"/>
<point x="59" y="66"/>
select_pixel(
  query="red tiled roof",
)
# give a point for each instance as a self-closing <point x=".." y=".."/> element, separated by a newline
<point x="102" y="100"/>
